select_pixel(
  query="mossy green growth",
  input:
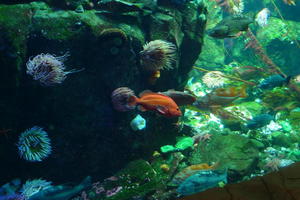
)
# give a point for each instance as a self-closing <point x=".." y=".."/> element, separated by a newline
<point x="278" y="29"/>
<point x="167" y="148"/>
<point x="14" y="22"/>
<point x="276" y="97"/>
<point x="184" y="143"/>
<point x="254" y="107"/>
<point x="136" y="179"/>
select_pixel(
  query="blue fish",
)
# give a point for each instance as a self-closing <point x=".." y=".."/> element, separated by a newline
<point x="260" y="121"/>
<point x="274" y="81"/>
<point x="201" y="181"/>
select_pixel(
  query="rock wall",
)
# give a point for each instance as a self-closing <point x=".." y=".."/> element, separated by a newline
<point x="88" y="136"/>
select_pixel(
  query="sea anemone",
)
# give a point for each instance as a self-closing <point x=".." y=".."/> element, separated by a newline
<point x="120" y="98"/>
<point x="158" y="55"/>
<point x="34" y="144"/>
<point x="214" y="79"/>
<point x="32" y="187"/>
<point x="48" y="69"/>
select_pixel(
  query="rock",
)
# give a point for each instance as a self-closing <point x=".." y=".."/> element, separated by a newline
<point x="280" y="185"/>
<point x="78" y="113"/>
<point x="136" y="179"/>
<point x="235" y="152"/>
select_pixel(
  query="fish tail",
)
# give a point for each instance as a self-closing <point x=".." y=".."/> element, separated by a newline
<point x="132" y="100"/>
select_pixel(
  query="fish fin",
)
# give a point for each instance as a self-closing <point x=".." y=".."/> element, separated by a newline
<point x="145" y="92"/>
<point x="161" y="109"/>
<point x="132" y="100"/>
<point x="142" y="108"/>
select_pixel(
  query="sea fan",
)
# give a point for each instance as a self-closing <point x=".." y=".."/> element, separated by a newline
<point x="48" y="69"/>
<point x="158" y="55"/>
<point x="34" y="144"/>
<point x="31" y="187"/>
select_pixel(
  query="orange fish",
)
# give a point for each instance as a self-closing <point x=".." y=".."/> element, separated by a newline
<point x="162" y="104"/>
<point x="191" y="170"/>
<point x="231" y="92"/>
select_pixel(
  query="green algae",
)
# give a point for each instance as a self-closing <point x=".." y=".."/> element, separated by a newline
<point x="136" y="179"/>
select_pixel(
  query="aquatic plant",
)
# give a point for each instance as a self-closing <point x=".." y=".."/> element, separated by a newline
<point x="158" y="55"/>
<point x="34" y="144"/>
<point x="278" y="97"/>
<point x="258" y="49"/>
<point x="32" y="187"/>
<point x="120" y="98"/>
<point x="48" y="69"/>
<point x="214" y="79"/>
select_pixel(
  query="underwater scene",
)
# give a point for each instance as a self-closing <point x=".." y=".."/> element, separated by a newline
<point x="150" y="100"/>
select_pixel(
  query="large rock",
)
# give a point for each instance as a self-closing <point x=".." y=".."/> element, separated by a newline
<point x="86" y="132"/>
<point x="283" y="184"/>
<point x="235" y="152"/>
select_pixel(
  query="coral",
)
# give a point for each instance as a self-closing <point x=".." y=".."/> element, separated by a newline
<point x="120" y="98"/>
<point x="158" y="55"/>
<point x="214" y="79"/>
<point x="48" y="69"/>
<point x="32" y="187"/>
<point x="34" y="144"/>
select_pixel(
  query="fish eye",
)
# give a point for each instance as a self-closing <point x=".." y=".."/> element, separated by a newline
<point x="177" y="109"/>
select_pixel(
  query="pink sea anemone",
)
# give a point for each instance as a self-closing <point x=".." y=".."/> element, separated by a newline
<point x="158" y="55"/>
<point x="48" y="69"/>
<point x="120" y="98"/>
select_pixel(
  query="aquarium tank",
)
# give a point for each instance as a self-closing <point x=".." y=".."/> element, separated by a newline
<point x="149" y="99"/>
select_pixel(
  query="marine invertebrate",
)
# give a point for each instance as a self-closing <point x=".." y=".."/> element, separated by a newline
<point x="165" y="167"/>
<point x="34" y="144"/>
<point x="214" y="79"/>
<point x="262" y="17"/>
<point x="138" y="123"/>
<point x="158" y="55"/>
<point x="48" y="69"/>
<point x="32" y="187"/>
<point x="120" y="97"/>
<point x="118" y="36"/>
